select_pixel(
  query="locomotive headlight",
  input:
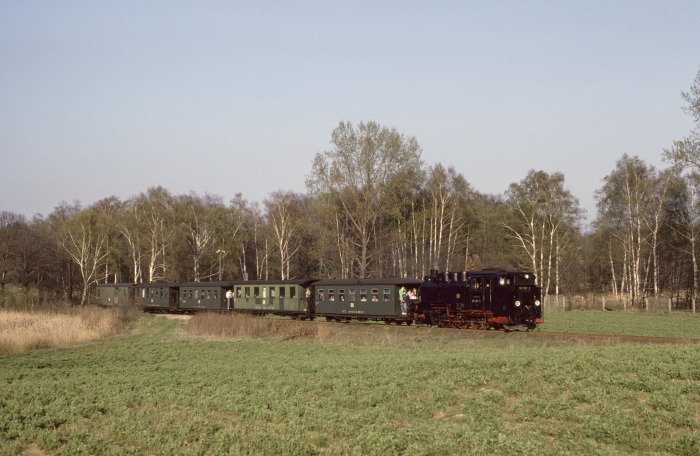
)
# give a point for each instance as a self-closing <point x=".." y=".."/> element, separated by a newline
<point x="517" y="303"/>
<point x="537" y="302"/>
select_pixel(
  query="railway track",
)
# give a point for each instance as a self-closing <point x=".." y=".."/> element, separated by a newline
<point x="612" y="338"/>
<point x="555" y="335"/>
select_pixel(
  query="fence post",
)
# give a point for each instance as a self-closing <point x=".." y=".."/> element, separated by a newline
<point x="669" y="306"/>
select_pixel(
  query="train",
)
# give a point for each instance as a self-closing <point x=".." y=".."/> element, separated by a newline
<point x="487" y="299"/>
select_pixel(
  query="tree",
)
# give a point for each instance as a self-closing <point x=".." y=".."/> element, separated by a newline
<point x="84" y="238"/>
<point x="157" y="219"/>
<point x="628" y="210"/>
<point x="685" y="153"/>
<point x="683" y="220"/>
<point x="197" y="217"/>
<point x="10" y="223"/>
<point x="685" y="157"/>
<point x="544" y="218"/>
<point x="63" y="268"/>
<point x="284" y="212"/>
<point x="358" y="173"/>
<point x="448" y="217"/>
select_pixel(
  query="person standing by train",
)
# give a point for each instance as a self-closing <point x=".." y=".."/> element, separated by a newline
<point x="229" y="300"/>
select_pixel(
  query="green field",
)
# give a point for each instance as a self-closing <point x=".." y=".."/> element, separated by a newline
<point x="358" y="389"/>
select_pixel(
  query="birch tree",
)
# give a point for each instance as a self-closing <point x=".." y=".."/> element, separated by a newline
<point x="685" y="154"/>
<point x="358" y="173"/>
<point x="627" y="203"/>
<point x="544" y="214"/>
<point x="197" y="221"/>
<point x="157" y="217"/>
<point x="84" y="238"/>
<point x="284" y="212"/>
<point x="448" y="219"/>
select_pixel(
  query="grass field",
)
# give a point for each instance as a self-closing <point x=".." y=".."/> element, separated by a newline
<point x="171" y="387"/>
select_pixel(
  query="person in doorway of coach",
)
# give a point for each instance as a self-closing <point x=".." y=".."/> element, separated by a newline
<point x="229" y="299"/>
<point x="405" y="302"/>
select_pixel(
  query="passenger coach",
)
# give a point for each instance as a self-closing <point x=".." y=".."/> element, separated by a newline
<point x="363" y="299"/>
<point x="114" y="294"/>
<point x="293" y="298"/>
<point x="157" y="297"/>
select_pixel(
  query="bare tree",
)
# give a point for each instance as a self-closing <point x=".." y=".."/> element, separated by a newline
<point x="627" y="203"/>
<point x="84" y="238"/>
<point x="544" y="214"/>
<point x="358" y="173"/>
<point x="685" y="156"/>
<point x="198" y="223"/>
<point x="156" y="217"/>
<point x="284" y="211"/>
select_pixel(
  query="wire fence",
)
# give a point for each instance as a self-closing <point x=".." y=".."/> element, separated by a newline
<point x="595" y="301"/>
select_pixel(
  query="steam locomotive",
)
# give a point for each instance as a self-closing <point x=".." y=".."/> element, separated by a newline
<point x="486" y="299"/>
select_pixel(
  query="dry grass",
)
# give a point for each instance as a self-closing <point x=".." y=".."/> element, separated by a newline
<point x="248" y="326"/>
<point x="22" y="331"/>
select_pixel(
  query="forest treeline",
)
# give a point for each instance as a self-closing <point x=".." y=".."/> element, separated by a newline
<point x="372" y="208"/>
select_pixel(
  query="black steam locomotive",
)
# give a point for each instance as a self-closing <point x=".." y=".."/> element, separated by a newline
<point x="494" y="298"/>
<point x="500" y="299"/>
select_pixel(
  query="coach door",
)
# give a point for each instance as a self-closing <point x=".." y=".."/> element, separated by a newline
<point x="173" y="299"/>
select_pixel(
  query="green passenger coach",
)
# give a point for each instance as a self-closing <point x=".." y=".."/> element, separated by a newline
<point x="204" y="295"/>
<point x="282" y="297"/>
<point x="157" y="297"/>
<point x="114" y="294"/>
<point x="363" y="299"/>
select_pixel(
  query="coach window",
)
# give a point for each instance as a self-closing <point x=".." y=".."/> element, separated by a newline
<point x="272" y="292"/>
<point x="283" y="292"/>
<point x="292" y="293"/>
<point x="331" y="295"/>
<point x="320" y="295"/>
<point x="363" y="294"/>
<point x="216" y="295"/>
<point x="375" y="295"/>
<point x="387" y="295"/>
<point x="247" y="292"/>
<point x="341" y="295"/>
<point x="351" y="293"/>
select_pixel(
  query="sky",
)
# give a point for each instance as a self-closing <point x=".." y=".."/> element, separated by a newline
<point x="109" y="98"/>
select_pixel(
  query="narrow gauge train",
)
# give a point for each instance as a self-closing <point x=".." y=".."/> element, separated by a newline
<point x="493" y="298"/>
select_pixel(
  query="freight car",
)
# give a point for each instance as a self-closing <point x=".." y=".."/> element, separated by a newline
<point x="493" y="298"/>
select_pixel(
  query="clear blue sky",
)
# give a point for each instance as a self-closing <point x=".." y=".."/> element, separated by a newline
<point x="102" y="98"/>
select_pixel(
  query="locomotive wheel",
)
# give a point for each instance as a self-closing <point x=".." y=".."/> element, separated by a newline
<point x="409" y="322"/>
